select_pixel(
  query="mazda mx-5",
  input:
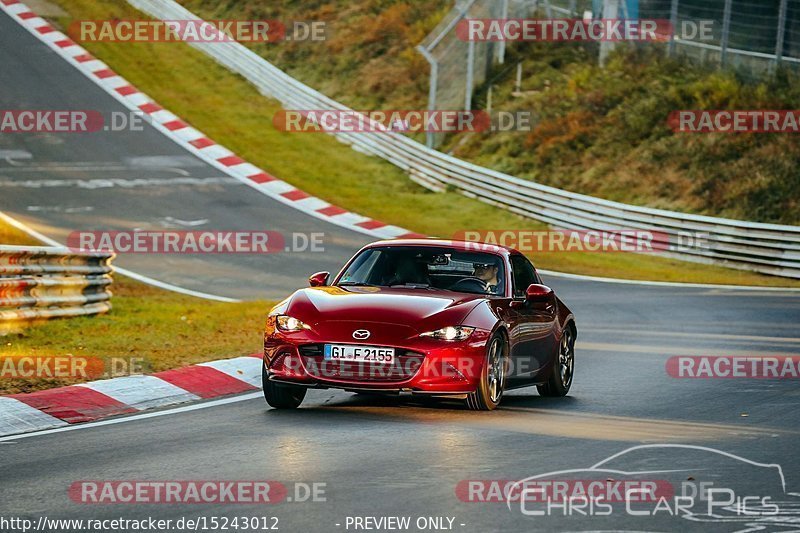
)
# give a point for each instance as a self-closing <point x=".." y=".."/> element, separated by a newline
<point x="422" y="316"/>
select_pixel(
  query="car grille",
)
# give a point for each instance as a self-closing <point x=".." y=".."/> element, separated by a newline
<point x="405" y="365"/>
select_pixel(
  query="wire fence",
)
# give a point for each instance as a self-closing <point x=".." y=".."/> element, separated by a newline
<point x="756" y="36"/>
<point x="458" y="66"/>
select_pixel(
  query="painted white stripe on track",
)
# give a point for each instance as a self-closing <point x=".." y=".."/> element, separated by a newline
<point x="247" y="369"/>
<point x="115" y="82"/>
<point x="215" y="151"/>
<point x="18" y="417"/>
<point x="17" y="8"/>
<point x="142" y="392"/>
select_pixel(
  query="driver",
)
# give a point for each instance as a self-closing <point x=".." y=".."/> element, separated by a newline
<point x="487" y="272"/>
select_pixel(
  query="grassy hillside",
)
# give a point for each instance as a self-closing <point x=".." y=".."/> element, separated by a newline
<point x="604" y="132"/>
<point x="367" y="59"/>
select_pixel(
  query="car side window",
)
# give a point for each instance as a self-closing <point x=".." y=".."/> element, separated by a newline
<point x="523" y="275"/>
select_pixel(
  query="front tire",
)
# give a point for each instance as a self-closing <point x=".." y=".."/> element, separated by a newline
<point x="279" y="395"/>
<point x="490" y="389"/>
<point x="563" y="367"/>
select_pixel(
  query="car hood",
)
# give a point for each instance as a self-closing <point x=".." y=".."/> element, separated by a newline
<point x="419" y="309"/>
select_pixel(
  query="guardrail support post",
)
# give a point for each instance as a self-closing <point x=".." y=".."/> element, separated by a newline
<point x="673" y="21"/>
<point x="432" y="85"/>
<point x="611" y="10"/>
<point x="501" y="49"/>
<point x="781" y="34"/>
<point x="726" y="27"/>
<point x="470" y="76"/>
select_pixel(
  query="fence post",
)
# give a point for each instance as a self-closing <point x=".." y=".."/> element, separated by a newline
<point x="470" y="75"/>
<point x="781" y="34"/>
<point x="501" y="52"/>
<point x="611" y="10"/>
<point x="432" y="86"/>
<point x="726" y="26"/>
<point x="673" y="21"/>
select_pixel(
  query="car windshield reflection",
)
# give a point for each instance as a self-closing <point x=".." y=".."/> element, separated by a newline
<point x="427" y="267"/>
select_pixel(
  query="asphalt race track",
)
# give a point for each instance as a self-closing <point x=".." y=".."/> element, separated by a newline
<point x="377" y="456"/>
<point x="138" y="179"/>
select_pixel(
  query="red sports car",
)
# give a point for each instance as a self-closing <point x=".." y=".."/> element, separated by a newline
<point x="422" y="316"/>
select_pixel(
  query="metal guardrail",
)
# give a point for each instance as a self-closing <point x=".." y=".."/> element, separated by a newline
<point x="41" y="282"/>
<point x="765" y="248"/>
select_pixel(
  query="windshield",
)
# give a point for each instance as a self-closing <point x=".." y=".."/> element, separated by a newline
<point x="427" y="267"/>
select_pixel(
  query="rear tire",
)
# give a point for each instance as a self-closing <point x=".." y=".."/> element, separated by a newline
<point x="281" y="396"/>
<point x="563" y="367"/>
<point x="490" y="389"/>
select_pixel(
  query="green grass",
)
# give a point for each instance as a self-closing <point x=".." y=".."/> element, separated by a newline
<point x="232" y="112"/>
<point x="13" y="236"/>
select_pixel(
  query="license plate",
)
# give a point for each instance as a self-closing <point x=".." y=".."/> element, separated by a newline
<point x="366" y="354"/>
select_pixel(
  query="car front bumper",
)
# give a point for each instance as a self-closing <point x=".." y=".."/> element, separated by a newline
<point x="422" y="365"/>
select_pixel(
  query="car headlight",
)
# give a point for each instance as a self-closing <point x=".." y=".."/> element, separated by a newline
<point x="290" y="323"/>
<point x="450" y="333"/>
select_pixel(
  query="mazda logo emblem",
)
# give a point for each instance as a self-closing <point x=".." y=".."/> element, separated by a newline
<point x="361" y="334"/>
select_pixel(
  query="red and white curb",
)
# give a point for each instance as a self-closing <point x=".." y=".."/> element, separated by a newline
<point x="190" y="138"/>
<point x="87" y="402"/>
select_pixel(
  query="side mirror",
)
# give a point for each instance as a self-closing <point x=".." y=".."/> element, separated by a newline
<point x="319" y="279"/>
<point x="538" y="293"/>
